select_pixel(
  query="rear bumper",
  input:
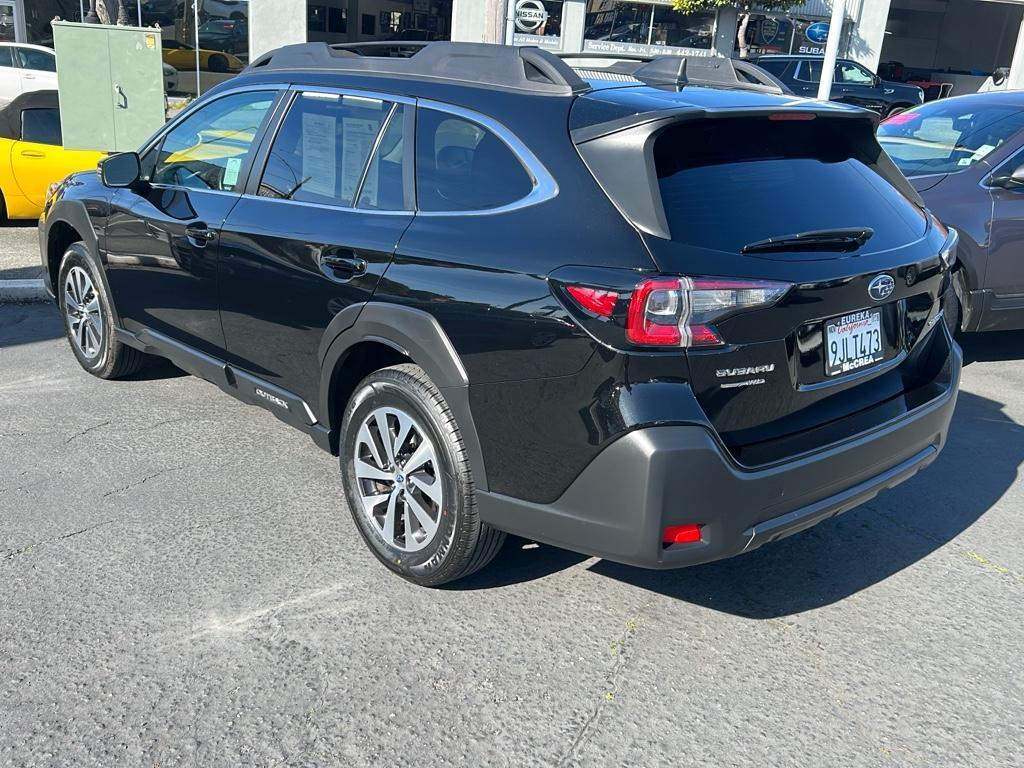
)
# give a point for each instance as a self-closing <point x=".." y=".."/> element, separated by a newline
<point x="660" y="476"/>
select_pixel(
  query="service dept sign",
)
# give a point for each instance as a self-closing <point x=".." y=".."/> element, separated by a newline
<point x="530" y="16"/>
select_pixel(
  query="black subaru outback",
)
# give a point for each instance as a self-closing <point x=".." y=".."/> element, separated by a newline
<point x="609" y="309"/>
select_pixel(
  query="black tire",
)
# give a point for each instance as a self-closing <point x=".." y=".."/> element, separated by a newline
<point x="111" y="359"/>
<point x="218" y="63"/>
<point x="461" y="544"/>
<point x="3" y="209"/>
<point x="896" y="111"/>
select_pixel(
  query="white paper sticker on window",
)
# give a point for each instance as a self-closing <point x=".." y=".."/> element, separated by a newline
<point x="358" y="139"/>
<point x="319" y="153"/>
<point x="231" y="169"/>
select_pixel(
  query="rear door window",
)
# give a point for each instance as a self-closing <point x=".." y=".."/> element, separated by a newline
<point x="41" y="126"/>
<point x="808" y="71"/>
<point x="322" y="149"/>
<point x="41" y="61"/>
<point x="463" y="166"/>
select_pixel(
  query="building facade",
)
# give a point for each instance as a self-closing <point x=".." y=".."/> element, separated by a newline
<point x="926" y="40"/>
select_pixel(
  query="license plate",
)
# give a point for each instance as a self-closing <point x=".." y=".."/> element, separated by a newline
<point x="853" y="341"/>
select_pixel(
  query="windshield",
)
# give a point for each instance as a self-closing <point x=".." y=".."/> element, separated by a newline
<point x="944" y="137"/>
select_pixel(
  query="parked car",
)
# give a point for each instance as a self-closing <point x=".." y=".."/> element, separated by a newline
<point x="851" y="84"/>
<point x="170" y="78"/>
<point x="614" y="315"/>
<point x="25" y="68"/>
<point x="965" y="155"/>
<point x="32" y="156"/>
<point x="226" y="35"/>
<point x="182" y="56"/>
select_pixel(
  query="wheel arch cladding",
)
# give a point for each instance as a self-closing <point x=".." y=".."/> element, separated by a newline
<point x="68" y="222"/>
<point x="367" y="337"/>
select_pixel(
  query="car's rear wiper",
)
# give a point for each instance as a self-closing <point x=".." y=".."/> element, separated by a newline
<point x="818" y="240"/>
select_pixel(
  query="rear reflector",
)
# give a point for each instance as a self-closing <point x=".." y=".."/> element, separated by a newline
<point x="594" y="299"/>
<point x="681" y="534"/>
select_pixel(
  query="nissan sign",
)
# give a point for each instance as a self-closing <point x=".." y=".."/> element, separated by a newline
<point x="530" y="16"/>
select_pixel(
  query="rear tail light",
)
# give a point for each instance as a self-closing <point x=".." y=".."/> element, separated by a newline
<point x="680" y="311"/>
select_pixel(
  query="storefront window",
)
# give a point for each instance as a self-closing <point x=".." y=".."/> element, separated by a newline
<point x="768" y="34"/>
<point x="349" y="21"/>
<point x="205" y="41"/>
<point x="645" y="28"/>
<point x="38" y="15"/>
<point x="538" y="22"/>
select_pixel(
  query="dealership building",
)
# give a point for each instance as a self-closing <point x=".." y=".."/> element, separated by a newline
<point x="944" y="40"/>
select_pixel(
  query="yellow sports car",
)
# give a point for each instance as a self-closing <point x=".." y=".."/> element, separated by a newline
<point x="32" y="156"/>
<point x="183" y="58"/>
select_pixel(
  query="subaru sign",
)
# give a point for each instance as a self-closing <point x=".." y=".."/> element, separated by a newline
<point x="817" y="32"/>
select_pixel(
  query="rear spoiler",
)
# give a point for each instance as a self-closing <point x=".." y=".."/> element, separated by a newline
<point x="620" y="153"/>
<point x="795" y="107"/>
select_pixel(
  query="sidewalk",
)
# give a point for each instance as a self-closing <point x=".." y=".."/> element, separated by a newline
<point x="21" y="274"/>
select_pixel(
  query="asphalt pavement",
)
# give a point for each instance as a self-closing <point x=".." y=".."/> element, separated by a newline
<point x="181" y="584"/>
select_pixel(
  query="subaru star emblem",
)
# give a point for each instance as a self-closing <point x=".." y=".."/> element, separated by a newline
<point x="817" y="33"/>
<point x="881" y="287"/>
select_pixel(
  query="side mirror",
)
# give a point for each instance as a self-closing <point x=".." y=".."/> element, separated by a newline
<point x="876" y="81"/>
<point x="1014" y="180"/>
<point x="121" y="170"/>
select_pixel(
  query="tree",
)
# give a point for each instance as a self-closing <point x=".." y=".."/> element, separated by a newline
<point x="744" y="7"/>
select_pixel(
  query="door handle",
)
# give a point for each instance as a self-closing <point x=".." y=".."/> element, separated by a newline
<point x="199" y="234"/>
<point x="343" y="262"/>
<point x="31" y="153"/>
<point x="122" y="98"/>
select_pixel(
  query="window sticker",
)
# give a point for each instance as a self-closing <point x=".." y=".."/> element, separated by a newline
<point x="319" y="153"/>
<point x="231" y="169"/>
<point x="981" y="151"/>
<point x="358" y="137"/>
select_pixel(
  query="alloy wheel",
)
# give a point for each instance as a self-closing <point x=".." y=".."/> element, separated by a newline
<point x="84" y="315"/>
<point x="399" y="479"/>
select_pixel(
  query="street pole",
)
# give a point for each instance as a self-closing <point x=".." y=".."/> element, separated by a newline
<point x="195" y="31"/>
<point x="828" y="66"/>
<point x="138" y="8"/>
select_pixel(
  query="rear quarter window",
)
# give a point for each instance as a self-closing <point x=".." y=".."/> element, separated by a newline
<point x="463" y="166"/>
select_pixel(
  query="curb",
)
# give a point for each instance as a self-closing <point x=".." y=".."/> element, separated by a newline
<point x="23" y="292"/>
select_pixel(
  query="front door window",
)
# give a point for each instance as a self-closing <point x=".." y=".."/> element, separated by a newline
<point x="208" y="149"/>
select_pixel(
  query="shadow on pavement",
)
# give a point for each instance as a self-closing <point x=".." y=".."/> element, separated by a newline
<point x="993" y="347"/>
<point x="520" y="560"/>
<point x="32" y="323"/>
<point x="28" y="324"/>
<point x="867" y="545"/>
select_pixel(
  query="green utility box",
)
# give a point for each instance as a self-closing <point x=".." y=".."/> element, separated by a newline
<point x="111" y="85"/>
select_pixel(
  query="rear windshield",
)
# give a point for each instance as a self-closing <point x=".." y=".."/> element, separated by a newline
<point x="726" y="183"/>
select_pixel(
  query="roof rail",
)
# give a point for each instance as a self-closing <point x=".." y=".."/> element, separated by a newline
<point x="679" y="71"/>
<point x="525" y="69"/>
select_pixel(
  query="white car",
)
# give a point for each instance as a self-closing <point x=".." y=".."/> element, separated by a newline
<point x="170" y="79"/>
<point x="26" y="68"/>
